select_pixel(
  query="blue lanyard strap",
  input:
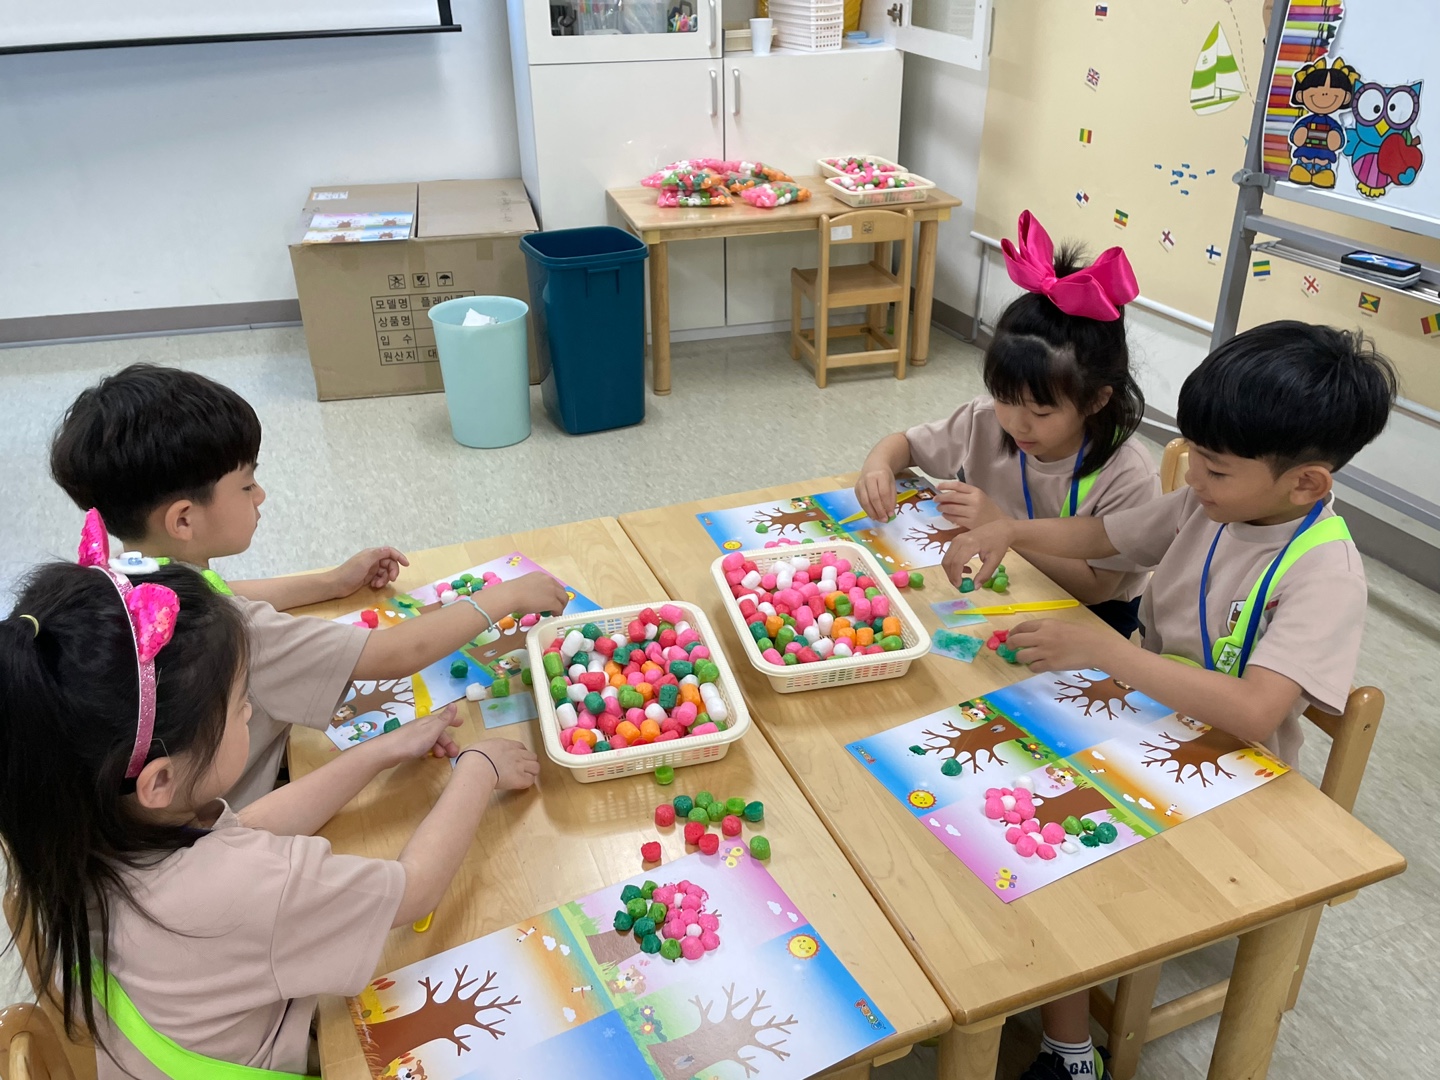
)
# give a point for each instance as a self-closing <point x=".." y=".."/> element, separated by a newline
<point x="1253" y="628"/>
<point x="1074" y="482"/>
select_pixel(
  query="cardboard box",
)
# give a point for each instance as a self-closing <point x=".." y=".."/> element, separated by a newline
<point x="364" y="303"/>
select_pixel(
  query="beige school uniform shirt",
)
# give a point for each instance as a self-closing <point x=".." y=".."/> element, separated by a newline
<point x="1310" y="631"/>
<point x="300" y="669"/>
<point x="248" y="928"/>
<point x="972" y="439"/>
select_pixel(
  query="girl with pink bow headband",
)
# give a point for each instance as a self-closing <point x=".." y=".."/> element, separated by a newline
<point x="143" y="898"/>
<point x="1052" y="437"/>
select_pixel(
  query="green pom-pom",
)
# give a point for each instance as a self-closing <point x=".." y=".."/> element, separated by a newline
<point x="681" y="668"/>
<point x="1106" y="833"/>
<point x="1072" y="825"/>
<point x="683" y="805"/>
<point x="704" y="798"/>
<point x="791" y="659"/>
<point x="623" y="920"/>
<point x="559" y="690"/>
<point x="762" y="528"/>
<point x="527" y="677"/>
<point x="650" y="943"/>
<point x="1088" y="839"/>
<point x="951" y="768"/>
<point x="657" y="912"/>
<point x="664" y="774"/>
<point x="647" y="890"/>
<point x="554" y="665"/>
<point x="735" y="806"/>
<point x="764" y="643"/>
<point x="755" y="811"/>
<point x="1087" y="825"/>
<point x="467" y="578"/>
<point x="706" y="671"/>
<point x="592" y="632"/>
<point x="594" y="703"/>
<point x="458" y="669"/>
<point x="668" y="696"/>
<point x="759" y="847"/>
<point x="917" y="580"/>
<point x="893" y="643"/>
<point x="918" y="750"/>
<point x="716" y="810"/>
<point x="698" y="813"/>
<point x="630" y="698"/>
<point x="601" y="746"/>
<point x="638" y="907"/>
<point x="967" y="585"/>
<point x="630" y="892"/>
<point x="872" y="592"/>
<point x="669" y="948"/>
<point x="501" y="686"/>
<point x="644" y="925"/>
<point x="392" y="724"/>
<point x="582" y="658"/>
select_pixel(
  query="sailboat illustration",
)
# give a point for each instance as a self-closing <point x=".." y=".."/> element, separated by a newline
<point x="1216" y="83"/>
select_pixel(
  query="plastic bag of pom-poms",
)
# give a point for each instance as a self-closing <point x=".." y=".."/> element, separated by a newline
<point x="669" y="197"/>
<point x="758" y="169"/>
<point x="769" y="196"/>
<point x="697" y="169"/>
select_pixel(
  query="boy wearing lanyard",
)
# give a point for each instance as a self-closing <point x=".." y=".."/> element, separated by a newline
<point x="1257" y="600"/>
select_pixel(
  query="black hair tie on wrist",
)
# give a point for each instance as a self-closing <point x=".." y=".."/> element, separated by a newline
<point x="474" y="750"/>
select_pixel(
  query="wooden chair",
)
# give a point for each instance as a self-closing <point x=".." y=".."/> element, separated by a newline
<point x="870" y="285"/>
<point x="1131" y="1018"/>
<point x="29" y="1047"/>
<point x="1174" y="463"/>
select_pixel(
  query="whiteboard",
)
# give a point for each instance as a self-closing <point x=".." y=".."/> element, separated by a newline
<point x="59" y="22"/>
<point x="1389" y="43"/>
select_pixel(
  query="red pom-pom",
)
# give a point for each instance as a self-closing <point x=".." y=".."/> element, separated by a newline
<point x="664" y="815"/>
<point x="650" y="852"/>
<point x="730" y="825"/>
<point x="694" y="832"/>
<point x="709" y="844"/>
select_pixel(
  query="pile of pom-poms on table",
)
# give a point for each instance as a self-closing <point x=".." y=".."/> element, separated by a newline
<point x="712" y="182"/>
<point x="698" y="814"/>
<point x="1015" y="808"/>
<point x="669" y="919"/>
<point x="654" y="683"/>
<point x="804" y="610"/>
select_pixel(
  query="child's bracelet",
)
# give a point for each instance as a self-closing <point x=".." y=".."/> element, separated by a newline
<point x="489" y="622"/>
<point x="473" y="750"/>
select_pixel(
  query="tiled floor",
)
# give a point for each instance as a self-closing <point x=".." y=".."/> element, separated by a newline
<point x="347" y="474"/>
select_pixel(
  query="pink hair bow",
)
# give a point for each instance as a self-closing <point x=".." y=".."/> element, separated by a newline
<point x="1096" y="292"/>
<point x="152" y="611"/>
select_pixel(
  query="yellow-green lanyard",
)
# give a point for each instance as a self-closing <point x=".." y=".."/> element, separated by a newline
<point x="215" y="581"/>
<point x="165" y="1053"/>
<point x="1079" y="485"/>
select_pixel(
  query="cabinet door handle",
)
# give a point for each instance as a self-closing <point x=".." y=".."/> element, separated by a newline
<point x="714" y="92"/>
<point x="734" y="91"/>
<point x="713" y="23"/>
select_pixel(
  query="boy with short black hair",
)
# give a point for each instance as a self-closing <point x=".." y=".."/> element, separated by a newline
<point x="168" y="458"/>
<point x="1251" y="541"/>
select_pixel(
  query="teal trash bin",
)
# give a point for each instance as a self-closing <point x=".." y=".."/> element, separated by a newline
<point x="588" y="288"/>
<point x="486" y="370"/>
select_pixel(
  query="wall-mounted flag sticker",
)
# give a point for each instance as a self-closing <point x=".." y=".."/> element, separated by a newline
<point x="1085" y="135"/>
<point x="1081" y="199"/>
<point x="1310" y="285"/>
<point x="1102" y="10"/>
<point x="1212" y="254"/>
<point x="1167" y="239"/>
<point x="1092" y="78"/>
<point x="1121" y="218"/>
<point x="1369" y="304"/>
<point x="1430" y="324"/>
<point x="1260" y="269"/>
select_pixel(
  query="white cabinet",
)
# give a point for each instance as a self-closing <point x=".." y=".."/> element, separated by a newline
<point x="788" y="109"/>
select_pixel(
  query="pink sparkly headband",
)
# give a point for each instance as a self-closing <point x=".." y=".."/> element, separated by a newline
<point x="1097" y="292"/>
<point x="151" y="610"/>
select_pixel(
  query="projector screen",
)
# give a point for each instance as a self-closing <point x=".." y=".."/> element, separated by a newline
<point x="48" y="24"/>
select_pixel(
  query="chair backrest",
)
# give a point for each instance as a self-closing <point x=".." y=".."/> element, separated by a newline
<point x="79" y="1055"/>
<point x="30" y="1049"/>
<point x="1174" y="463"/>
<point x="867" y="227"/>
<point x="1353" y="735"/>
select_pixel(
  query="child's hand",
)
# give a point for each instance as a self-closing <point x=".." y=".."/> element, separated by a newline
<point x="875" y="489"/>
<point x="534" y="593"/>
<point x="965" y="504"/>
<point x="375" y="567"/>
<point x="990" y="542"/>
<point x="421" y="737"/>
<point x="1051" y="645"/>
<point x="516" y="768"/>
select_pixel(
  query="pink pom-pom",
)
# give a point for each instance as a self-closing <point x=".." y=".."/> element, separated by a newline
<point x="709" y="940"/>
<point x="567" y="736"/>
<point x="666" y="638"/>
<point x="1053" y="833"/>
<point x="685" y="712"/>
<point x="667" y="736"/>
<point x="1026" y="810"/>
<point x="1026" y="846"/>
<point x="733" y="561"/>
<point x="691" y="902"/>
<point x="880" y="606"/>
<point x="704" y="729"/>
<point x="636" y="630"/>
<point x="992" y="793"/>
<point x="842" y="566"/>
<point x="672" y="614"/>
<point x="1013" y="833"/>
<point x="1030" y="825"/>
<point x="674" y="928"/>
<point x="700" y="652"/>
<point x="691" y="949"/>
<point x="901" y="578"/>
<point x="994" y="811"/>
<point x="1045" y="851"/>
<point x="581" y="747"/>
<point x="617" y="742"/>
<point x="845" y="582"/>
<point x="635" y="716"/>
<point x="612" y="708"/>
<point x="709" y="921"/>
<point x="665" y="893"/>
<point x="773" y="657"/>
<point x="1013" y="817"/>
<point x="689" y="635"/>
<point x="587" y="720"/>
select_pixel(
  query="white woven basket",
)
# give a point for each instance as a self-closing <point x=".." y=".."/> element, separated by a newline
<point x="789" y="679"/>
<point x="882" y="196"/>
<point x="588" y="768"/>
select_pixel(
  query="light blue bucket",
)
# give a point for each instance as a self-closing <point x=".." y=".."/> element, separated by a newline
<point x="486" y="370"/>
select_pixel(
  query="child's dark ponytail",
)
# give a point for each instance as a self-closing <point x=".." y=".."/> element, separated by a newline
<point x="68" y="713"/>
<point x="1054" y="357"/>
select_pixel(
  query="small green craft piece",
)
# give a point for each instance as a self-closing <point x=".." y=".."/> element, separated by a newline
<point x="967" y="585"/>
<point x="601" y="746"/>
<point x="988" y="584"/>
<point x="650" y="943"/>
<point x="638" y="907"/>
<point x="623" y="920"/>
<point x="1000" y="583"/>
<point x="643" y="926"/>
<point x="735" y="806"/>
<point x="554" y="664"/>
<point x="591" y="631"/>
<point x="1072" y="825"/>
<point x="392" y="724"/>
<point x="527" y="677"/>
<point x="707" y="671"/>
<point x="754" y="811"/>
<point x="700" y="814"/>
<point x="721" y="725"/>
<point x="1088" y="839"/>
<point x="704" y="798"/>
<point x="762" y="528"/>
<point x="716" y="810"/>
<point x="630" y="892"/>
<point x="594" y="703"/>
<point x="664" y="774"/>
<point x="501" y="687"/>
<point x="917" y="580"/>
<point x="647" y="890"/>
<point x="669" y="948"/>
<point x="951" y="768"/>
<point x="668" y="696"/>
<point x="1106" y="833"/>
<point x="630" y="698"/>
<point x="657" y="912"/>
<point x="1087" y="825"/>
<point x="467" y="578"/>
<point x="683" y="805"/>
<point x="681" y="668"/>
<point x="759" y="847"/>
<point x="872" y="592"/>
<point x="893" y="643"/>
<point x="1009" y="655"/>
<point x="1000" y="569"/>
<point x="918" y="750"/>
<point x="559" y="690"/>
<point x="791" y="659"/>
<point x="581" y="658"/>
<point x="458" y="669"/>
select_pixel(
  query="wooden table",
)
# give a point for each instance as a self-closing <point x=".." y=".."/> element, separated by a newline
<point x="567" y="839"/>
<point x="635" y="208"/>
<point x="1251" y="867"/>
